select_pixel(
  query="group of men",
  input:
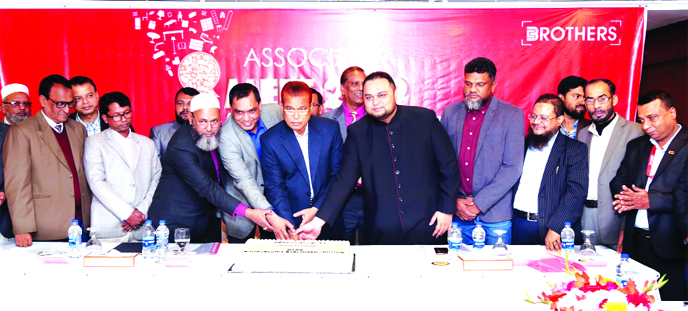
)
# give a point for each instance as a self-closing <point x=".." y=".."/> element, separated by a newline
<point x="369" y="171"/>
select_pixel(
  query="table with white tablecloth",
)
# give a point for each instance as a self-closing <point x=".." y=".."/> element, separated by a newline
<point x="385" y="277"/>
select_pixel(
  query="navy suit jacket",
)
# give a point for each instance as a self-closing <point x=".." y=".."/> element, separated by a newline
<point x="284" y="168"/>
<point x="665" y="234"/>
<point x="564" y="186"/>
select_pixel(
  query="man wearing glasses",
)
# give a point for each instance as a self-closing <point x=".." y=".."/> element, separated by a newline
<point x="606" y="138"/>
<point x="316" y="103"/>
<point x="554" y="182"/>
<point x="123" y="170"/>
<point x="192" y="185"/>
<point x="15" y="99"/>
<point x="44" y="176"/>
<point x="300" y="158"/>
<point x="16" y="103"/>
<point x="240" y="151"/>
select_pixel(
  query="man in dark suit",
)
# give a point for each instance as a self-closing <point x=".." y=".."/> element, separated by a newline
<point x="643" y="188"/>
<point x="409" y="170"/>
<point x="554" y="182"/>
<point x="191" y="188"/>
<point x="299" y="158"/>
<point x="488" y="135"/>
<point x="350" y="111"/>
<point x="572" y="91"/>
<point x="162" y="133"/>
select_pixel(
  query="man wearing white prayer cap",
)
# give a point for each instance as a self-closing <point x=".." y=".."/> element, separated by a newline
<point x="191" y="187"/>
<point x="16" y="103"/>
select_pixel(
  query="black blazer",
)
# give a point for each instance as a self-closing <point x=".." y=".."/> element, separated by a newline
<point x="188" y="194"/>
<point x="103" y="124"/>
<point x="664" y="231"/>
<point x="5" y="221"/>
<point x="564" y="187"/>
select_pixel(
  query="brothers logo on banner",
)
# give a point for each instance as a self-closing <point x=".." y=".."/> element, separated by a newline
<point x="607" y="34"/>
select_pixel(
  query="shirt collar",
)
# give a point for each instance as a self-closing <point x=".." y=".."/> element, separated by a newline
<point x="260" y="127"/>
<point x="78" y="118"/>
<point x="654" y="142"/>
<point x="122" y="137"/>
<point x="610" y="127"/>
<point x="305" y="133"/>
<point x="50" y="121"/>
<point x="360" y="112"/>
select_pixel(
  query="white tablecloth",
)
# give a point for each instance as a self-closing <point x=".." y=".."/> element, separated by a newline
<point x="386" y="278"/>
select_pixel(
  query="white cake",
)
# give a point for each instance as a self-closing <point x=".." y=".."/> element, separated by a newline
<point x="295" y="256"/>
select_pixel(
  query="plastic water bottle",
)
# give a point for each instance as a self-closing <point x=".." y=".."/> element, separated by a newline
<point x="162" y="235"/>
<point x="454" y="238"/>
<point x="622" y="270"/>
<point x="478" y="237"/>
<point x="148" y="240"/>
<point x="567" y="238"/>
<point x="74" y="234"/>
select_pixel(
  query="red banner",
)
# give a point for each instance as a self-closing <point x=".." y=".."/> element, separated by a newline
<point x="149" y="54"/>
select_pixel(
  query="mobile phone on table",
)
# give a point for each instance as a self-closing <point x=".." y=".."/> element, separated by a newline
<point x="441" y="250"/>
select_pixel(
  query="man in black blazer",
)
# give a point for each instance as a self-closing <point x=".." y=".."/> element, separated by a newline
<point x="554" y="182"/>
<point x="191" y="187"/>
<point x="644" y="189"/>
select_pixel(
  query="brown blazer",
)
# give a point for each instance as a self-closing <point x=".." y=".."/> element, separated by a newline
<point x="38" y="183"/>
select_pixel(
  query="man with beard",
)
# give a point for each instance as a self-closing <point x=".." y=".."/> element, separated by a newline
<point x="15" y="99"/>
<point x="409" y="171"/>
<point x="572" y="91"/>
<point x="554" y="182"/>
<point x="123" y="170"/>
<point x="191" y="188"/>
<point x="350" y="111"/>
<point x="161" y="134"/>
<point x="606" y="138"/>
<point x="488" y="135"/>
<point x="16" y="103"/>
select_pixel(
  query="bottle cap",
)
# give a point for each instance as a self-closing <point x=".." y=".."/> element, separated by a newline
<point x="162" y="222"/>
<point x="624" y="256"/>
<point x="75" y="221"/>
<point x="568" y="223"/>
<point x="149" y="222"/>
<point x="455" y="224"/>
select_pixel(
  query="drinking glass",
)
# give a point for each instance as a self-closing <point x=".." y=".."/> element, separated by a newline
<point x="587" y="249"/>
<point x="499" y="247"/>
<point x="93" y="245"/>
<point x="182" y="238"/>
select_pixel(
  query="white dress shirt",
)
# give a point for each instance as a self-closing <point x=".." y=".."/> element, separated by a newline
<point x="526" y="198"/>
<point x="52" y="123"/>
<point x="641" y="218"/>
<point x="125" y="142"/>
<point x="303" y="143"/>
<point x="598" y="147"/>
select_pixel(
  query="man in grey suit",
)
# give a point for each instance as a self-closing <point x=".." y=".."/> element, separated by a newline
<point x="123" y="170"/>
<point x="161" y="134"/>
<point x="350" y="111"/>
<point x="606" y="138"/>
<point x="488" y="135"/>
<point x="240" y="154"/>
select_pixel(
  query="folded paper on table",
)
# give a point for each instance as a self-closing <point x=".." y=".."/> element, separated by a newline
<point x="485" y="263"/>
<point x="113" y="260"/>
<point x="556" y="264"/>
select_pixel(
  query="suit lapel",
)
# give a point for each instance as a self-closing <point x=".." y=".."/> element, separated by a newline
<point x="458" y="129"/>
<point x="552" y="167"/>
<point x="613" y="141"/>
<point x="314" y="146"/>
<point x="245" y="140"/>
<point x="48" y="137"/>
<point x="294" y="150"/>
<point x="341" y="118"/>
<point x="117" y="147"/>
<point x="485" y="127"/>
<point x="676" y="145"/>
<point x="135" y="151"/>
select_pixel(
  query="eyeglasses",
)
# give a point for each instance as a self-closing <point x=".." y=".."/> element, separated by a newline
<point x="61" y="105"/>
<point x="118" y="117"/>
<point x="602" y="100"/>
<point x="213" y="123"/>
<point x="542" y="119"/>
<point x="302" y="111"/>
<point x="17" y="104"/>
